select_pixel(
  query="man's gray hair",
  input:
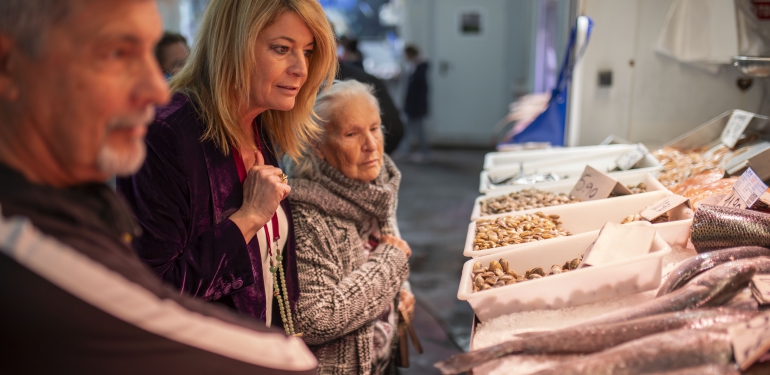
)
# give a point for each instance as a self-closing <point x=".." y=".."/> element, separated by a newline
<point x="325" y="108"/>
<point x="27" y="21"/>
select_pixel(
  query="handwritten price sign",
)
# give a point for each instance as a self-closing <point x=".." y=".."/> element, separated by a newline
<point x="629" y="159"/>
<point x="750" y="340"/>
<point x="662" y="206"/>
<point x="760" y="287"/>
<point x="749" y="187"/>
<point x="746" y="191"/>
<point x="735" y="127"/>
<point x="733" y="200"/>
<point x="594" y="185"/>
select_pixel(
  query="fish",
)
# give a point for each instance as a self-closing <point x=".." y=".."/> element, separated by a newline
<point x="693" y="266"/>
<point x="703" y="370"/>
<point x="679" y="349"/>
<point x="715" y="227"/>
<point x="583" y="339"/>
<point x="743" y="300"/>
<point x="711" y="288"/>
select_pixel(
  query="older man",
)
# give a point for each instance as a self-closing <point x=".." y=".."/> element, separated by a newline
<point x="78" y="84"/>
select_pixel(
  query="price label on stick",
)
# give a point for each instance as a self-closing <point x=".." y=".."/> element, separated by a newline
<point x="662" y="206"/>
<point x="594" y="185"/>
<point x="735" y="127"/>
<point x="750" y="340"/>
<point x="749" y="187"/>
<point x="629" y="159"/>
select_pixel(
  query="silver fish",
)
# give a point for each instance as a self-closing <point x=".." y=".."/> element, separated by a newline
<point x="711" y="288"/>
<point x="703" y="370"/>
<point x="672" y="350"/>
<point x="715" y="227"/>
<point x="593" y="338"/>
<point x="702" y="262"/>
<point x="743" y="300"/>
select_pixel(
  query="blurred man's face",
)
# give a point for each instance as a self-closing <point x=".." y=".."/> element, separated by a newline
<point x="91" y="92"/>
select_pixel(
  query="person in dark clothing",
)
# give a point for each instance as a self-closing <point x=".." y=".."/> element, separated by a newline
<point x="78" y="84"/>
<point x="172" y="52"/>
<point x="391" y="119"/>
<point x="415" y="106"/>
<point x="353" y="55"/>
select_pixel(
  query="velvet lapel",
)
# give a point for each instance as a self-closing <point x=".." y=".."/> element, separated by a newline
<point x="226" y="189"/>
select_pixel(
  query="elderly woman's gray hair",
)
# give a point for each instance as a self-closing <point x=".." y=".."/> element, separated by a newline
<point x="326" y="107"/>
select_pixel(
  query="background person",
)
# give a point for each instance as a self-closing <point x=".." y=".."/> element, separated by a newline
<point x="172" y="52"/>
<point x="210" y="197"/>
<point x="351" y="262"/>
<point x="78" y="85"/>
<point x="391" y="117"/>
<point x="415" y="106"/>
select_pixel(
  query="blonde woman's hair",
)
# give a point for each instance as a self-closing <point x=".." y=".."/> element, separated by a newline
<point x="327" y="106"/>
<point x="218" y="73"/>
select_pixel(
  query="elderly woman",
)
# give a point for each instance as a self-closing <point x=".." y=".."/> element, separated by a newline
<point x="210" y="195"/>
<point x="351" y="264"/>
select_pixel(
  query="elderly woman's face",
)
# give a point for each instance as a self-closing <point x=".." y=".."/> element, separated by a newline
<point x="353" y="142"/>
<point x="282" y="55"/>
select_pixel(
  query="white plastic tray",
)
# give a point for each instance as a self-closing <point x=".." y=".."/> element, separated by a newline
<point x="573" y="288"/>
<point x="575" y="218"/>
<point x="503" y="159"/>
<point x="565" y="187"/>
<point x="675" y="233"/>
<point x="572" y="169"/>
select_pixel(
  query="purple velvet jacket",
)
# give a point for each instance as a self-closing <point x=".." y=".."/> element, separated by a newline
<point x="183" y="197"/>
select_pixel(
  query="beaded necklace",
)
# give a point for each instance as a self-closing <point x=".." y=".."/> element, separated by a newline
<point x="276" y="269"/>
<point x="280" y="292"/>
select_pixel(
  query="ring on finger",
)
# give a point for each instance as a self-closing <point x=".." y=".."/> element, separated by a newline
<point x="283" y="178"/>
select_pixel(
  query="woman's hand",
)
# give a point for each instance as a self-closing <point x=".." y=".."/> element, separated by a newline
<point x="406" y="305"/>
<point x="398" y="243"/>
<point x="263" y="191"/>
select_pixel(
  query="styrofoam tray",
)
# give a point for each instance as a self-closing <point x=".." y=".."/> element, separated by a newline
<point x="575" y="218"/>
<point x="503" y="159"/>
<point x="571" y="169"/>
<point x="565" y="187"/>
<point x="573" y="288"/>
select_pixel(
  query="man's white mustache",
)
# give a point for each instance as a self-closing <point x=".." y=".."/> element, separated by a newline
<point x="136" y="119"/>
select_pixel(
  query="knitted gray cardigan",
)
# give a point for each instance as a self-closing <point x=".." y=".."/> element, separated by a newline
<point x="341" y="292"/>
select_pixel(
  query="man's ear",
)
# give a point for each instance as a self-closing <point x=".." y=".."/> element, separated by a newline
<point x="9" y="90"/>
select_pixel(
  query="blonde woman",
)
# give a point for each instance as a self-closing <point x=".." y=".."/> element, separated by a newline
<point x="210" y="197"/>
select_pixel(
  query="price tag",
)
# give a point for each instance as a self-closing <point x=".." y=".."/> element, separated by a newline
<point x="733" y="200"/>
<point x="594" y="185"/>
<point x="629" y="159"/>
<point x="737" y="124"/>
<point x="662" y="206"/>
<point x="618" y="241"/>
<point x="750" y="340"/>
<point x="749" y="187"/>
<point x="760" y="288"/>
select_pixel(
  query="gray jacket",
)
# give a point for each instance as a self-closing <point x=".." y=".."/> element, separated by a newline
<point x="341" y="292"/>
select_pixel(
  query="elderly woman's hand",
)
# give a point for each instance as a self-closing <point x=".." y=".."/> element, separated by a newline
<point x="263" y="191"/>
<point x="398" y="243"/>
